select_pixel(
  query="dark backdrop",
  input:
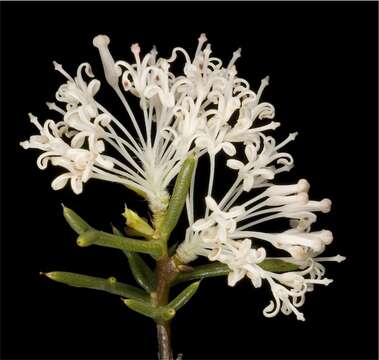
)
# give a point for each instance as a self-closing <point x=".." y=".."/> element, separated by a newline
<point x="322" y="59"/>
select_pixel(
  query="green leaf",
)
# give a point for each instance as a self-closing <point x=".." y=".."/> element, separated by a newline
<point x="141" y="271"/>
<point x="89" y="236"/>
<point x="110" y="285"/>
<point x="101" y="238"/>
<point x="184" y="296"/>
<point x="75" y="221"/>
<point x="178" y="198"/>
<point x="277" y="266"/>
<point x="219" y="269"/>
<point x="203" y="271"/>
<point x="157" y="313"/>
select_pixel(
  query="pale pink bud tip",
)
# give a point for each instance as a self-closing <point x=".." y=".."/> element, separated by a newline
<point x="101" y="41"/>
<point x="135" y="48"/>
<point x="303" y="185"/>
<point x="154" y="51"/>
<point x="327" y="237"/>
<point x="325" y="205"/>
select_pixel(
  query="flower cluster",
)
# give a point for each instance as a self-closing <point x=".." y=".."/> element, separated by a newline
<point x="207" y="109"/>
<point x="224" y="236"/>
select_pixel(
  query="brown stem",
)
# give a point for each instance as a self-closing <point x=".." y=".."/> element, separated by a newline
<point x="165" y="273"/>
<point x="164" y="341"/>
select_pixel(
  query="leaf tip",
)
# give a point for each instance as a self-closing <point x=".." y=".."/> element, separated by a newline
<point x="127" y="302"/>
<point x="112" y="280"/>
<point x="51" y="275"/>
<point x="196" y="284"/>
<point x="80" y="242"/>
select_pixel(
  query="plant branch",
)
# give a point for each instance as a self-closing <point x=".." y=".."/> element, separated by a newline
<point x="164" y="275"/>
<point x="110" y="285"/>
<point x="101" y="238"/>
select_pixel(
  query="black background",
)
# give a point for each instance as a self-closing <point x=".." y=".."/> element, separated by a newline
<point x="322" y="60"/>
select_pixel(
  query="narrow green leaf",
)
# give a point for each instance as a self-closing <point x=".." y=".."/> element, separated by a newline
<point x="141" y="271"/>
<point x="277" y="266"/>
<point x="157" y="313"/>
<point x="184" y="296"/>
<point x="219" y="269"/>
<point x="102" y="238"/>
<point x="110" y="285"/>
<point x="75" y="221"/>
<point x="178" y="198"/>
<point x="203" y="271"/>
<point x="142" y="308"/>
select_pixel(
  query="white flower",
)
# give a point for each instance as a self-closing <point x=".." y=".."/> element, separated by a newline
<point x="76" y="93"/>
<point x="224" y="235"/>
<point x="180" y="114"/>
<point x="212" y="139"/>
<point x="203" y="109"/>
<point x="79" y="162"/>
<point x="260" y="167"/>
<point x="224" y="219"/>
<point x="249" y="112"/>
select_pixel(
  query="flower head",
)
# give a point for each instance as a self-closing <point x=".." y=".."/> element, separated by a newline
<point x="206" y="109"/>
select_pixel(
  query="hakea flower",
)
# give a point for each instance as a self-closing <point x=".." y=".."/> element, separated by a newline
<point x="205" y="109"/>
<point x="181" y="115"/>
<point x="257" y="169"/>
<point x="79" y="162"/>
<point x="225" y="236"/>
